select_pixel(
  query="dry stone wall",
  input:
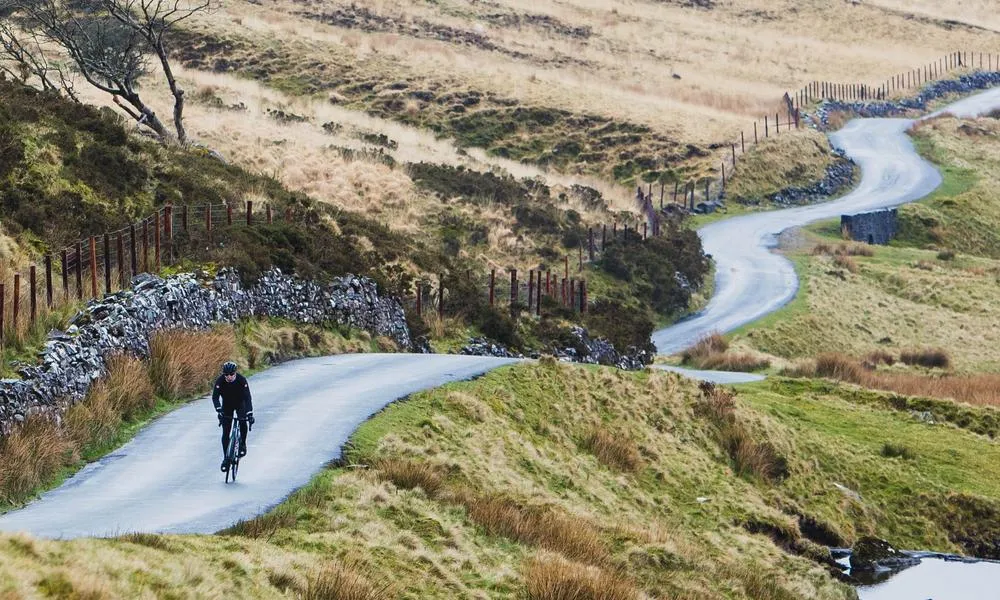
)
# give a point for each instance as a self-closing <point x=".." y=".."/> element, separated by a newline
<point x="122" y="322"/>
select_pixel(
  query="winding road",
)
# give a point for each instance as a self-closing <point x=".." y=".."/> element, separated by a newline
<point x="167" y="479"/>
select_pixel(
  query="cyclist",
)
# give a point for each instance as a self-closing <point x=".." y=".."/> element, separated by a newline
<point x="235" y="392"/>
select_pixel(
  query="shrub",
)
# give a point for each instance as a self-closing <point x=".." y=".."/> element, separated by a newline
<point x="880" y="357"/>
<point x="617" y="452"/>
<point x="551" y="577"/>
<point x="946" y="255"/>
<point x="186" y="362"/>
<point x="733" y="361"/>
<point x="927" y="357"/>
<point x="621" y="325"/>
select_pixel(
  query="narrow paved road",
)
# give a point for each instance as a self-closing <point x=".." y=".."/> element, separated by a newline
<point x="751" y="280"/>
<point x="167" y="479"/>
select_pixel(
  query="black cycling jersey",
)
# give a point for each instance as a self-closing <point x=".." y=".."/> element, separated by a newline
<point x="235" y="395"/>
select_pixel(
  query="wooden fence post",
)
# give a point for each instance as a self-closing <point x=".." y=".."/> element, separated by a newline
<point x="604" y="236"/>
<point x="440" y="296"/>
<point x="493" y="285"/>
<point x="32" y="295"/>
<point x="531" y="288"/>
<point x="249" y="212"/>
<point x="572" y="294"/>
<point x="145" y="245"/>
<point x="79" y="271"/>
<point x="564" y="291"/>
<point x="420" y="294"/>
<point x="184" y="217"/>
<point x="65" y="275"/>
<point x="107" y="264"/>
<point x="766" y="127"/>
<point x="16" y="301"/>
<point x="229" y="214"/>
<point x="755" y="132"/>
<point x="270" y="216"/>
<point x="566" y="263"/>
<point x="734" y="164"/>
<point x="583" y="296"/>
<point x="133" y="252"/>
<point x="93" y="267"/>
<point x="168" y="229"/>
<point x="48" y="280"/>
<point x="538" y="295"/>
<point x="156" y="240"/>
<point x="513" y="288"/>
<point x="120" y="247"/>
<point x="590" y="243"/>
<point x="677" y="185"/>
<point x="723" y="175"/>
<point x="644" y="232"/>
<point x="3" y="308"/>
<point x="548" y="283"/>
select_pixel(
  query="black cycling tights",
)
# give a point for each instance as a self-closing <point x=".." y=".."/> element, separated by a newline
<point x="227" y="424"/>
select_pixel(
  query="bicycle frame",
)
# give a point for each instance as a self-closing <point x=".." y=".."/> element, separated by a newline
<point x="232" y="451"/>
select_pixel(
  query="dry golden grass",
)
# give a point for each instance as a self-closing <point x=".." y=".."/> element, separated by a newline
<point x="750" y="455"/>
<point x="409" y="474"/>
<point x="542" y="526"/>
<point x="337" y="582"/>
<point x="980" y="389"/>
<point x="615" y="450"/>
<point x="263" y="526"/>
<point x="733" y="361"/>
<point x="552" y="577"/>
<point x="846" y="262"/>
<point x="29" y="454"/>
<point x="184" y="362"/>
<point x="712" y="343"/>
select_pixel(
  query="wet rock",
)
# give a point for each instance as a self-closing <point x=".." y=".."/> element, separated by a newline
<point x="873" y="554"/>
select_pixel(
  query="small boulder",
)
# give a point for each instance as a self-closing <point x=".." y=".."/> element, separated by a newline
<point x="874" y="554"/>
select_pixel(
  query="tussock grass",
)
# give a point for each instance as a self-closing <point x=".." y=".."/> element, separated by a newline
<point x="552" y="577"/>
<point x="846" y="262"/>
<point x="615" y="451"/>
<point x="932" y="358"/>
<point x="713" y="343"/>
<point x="750" y="456"/>
<point x="890" y="450"/>
<point x="946" y="255"/>
<point x="539" y="526"/>
<point x="712" y="352"/>
<point x="263" y="526"/>
<point x="29" y="455"/>
<point x="338" y="582"/>
<point x="880" y="357"/>
<point x="410" y="474"/>
<point x="150" y="540"/>
<point x="183" y="363"/>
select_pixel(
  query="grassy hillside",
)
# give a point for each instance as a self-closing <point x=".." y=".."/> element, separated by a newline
<point x="935" y="286"/>
<point x="647" y="486"/>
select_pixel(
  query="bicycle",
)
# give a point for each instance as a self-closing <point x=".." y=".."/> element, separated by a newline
<point x="233" y="451"/>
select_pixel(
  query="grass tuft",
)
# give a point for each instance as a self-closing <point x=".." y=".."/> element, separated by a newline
<point x="551" y="577"/>
<point x="29" y="454"/>
<point x="932" y="358"/>
<point x="337" y="582"/>
<point x="263" y="526"/>
<point x="618" y="452"/>
<point x="184" y="363"/>
<point x="541" y="526"/>
<point x="890" y="450"/>
<point x="750" y="456"/>
<point x="408" y="474"/>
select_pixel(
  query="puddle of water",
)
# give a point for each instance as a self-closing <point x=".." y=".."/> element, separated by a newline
<point x="938" y="578"/>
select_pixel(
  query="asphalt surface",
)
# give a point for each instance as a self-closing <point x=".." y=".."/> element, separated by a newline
<point x="752" y="281"/>
<point x="168" y="480"/>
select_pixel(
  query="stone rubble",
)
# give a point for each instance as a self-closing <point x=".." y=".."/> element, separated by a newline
<point x="584" y="349"/>
<point x="122" y="322"/>
<point x="839" y="176"/>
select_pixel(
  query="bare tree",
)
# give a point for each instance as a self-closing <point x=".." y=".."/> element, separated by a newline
<point x="109" y="42"/>
<point x="23" y="51"/>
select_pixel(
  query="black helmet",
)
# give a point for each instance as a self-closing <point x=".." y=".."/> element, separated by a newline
<point x="229" y="368"/>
